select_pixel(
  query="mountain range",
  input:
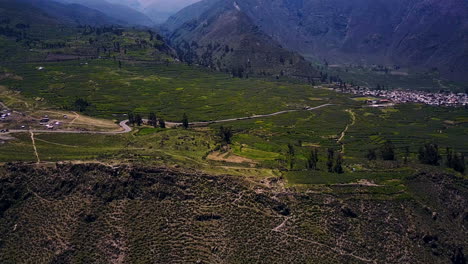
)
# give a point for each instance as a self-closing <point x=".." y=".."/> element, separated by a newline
<point x="421" y="34"/>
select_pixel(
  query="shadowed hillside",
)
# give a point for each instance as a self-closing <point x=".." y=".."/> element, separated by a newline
<point x="422" y="34"/>
<point x="98" y="214"/>
<point x="223" y="37"/>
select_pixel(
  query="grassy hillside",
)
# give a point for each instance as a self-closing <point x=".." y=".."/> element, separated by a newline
<point x="55" y="32"/>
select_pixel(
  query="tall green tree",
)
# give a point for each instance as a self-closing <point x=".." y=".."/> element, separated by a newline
<point x="407" y="153"/>
<point x="162" y="123"/>
<point x="152" y="120"/>
<point x="138" y="120"/>
<point x="312" y="159"/>
<point x="388" y="151"/>
<point x="330" y="159"/>
<point x="291" y="155"/>
<point x="371" y="155"/>
<point x="80" y="105"/>
<point x="429" y="154"/>
<point x="131" y="118"/>
<point x="225" y="134"/>
<point x="449" y="160"/>
<point x="185" y="122"/>
<point x="338" y="168"/>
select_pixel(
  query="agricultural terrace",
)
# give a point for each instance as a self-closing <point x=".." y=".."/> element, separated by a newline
<point x="259" y="146"/>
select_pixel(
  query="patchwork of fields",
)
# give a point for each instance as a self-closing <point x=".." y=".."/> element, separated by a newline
<point x="170" y="90"/>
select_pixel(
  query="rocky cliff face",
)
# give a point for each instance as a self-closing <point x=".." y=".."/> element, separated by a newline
<point x="423" y="34"/>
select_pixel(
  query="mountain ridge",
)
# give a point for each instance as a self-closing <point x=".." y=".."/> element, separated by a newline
<point x="421" y="34"/>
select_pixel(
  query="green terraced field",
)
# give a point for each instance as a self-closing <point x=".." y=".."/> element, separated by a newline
<point x="173" y="89"/>
<point x="169" y="90"/>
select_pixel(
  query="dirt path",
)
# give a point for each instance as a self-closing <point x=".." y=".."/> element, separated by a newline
<point x="34" y="147"/>
<point x="74" y="119"/>
<point x="343" y="134"/>
<point x="58" y="144"/>
<point x="127" y="129"/>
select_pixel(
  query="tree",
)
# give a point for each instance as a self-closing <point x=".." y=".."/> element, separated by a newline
<point x="291" y="155"/>
<point x="371" y="155"/>
<point x="131" y="118"/>
<point x="459" y="163"/>
<point x="185" y="122"/>
<point x="429" y="154"/>
<point x="338" y="168"/>
<point x="330" y="157"/>
<point x="449" y="162"/>
<point x="152" y="120"/>
<point x="225" y="133"/>
<point x="456" y="161"/>
<point x="312" y="159"/>
<point x="162" y="123"/>
<point x="407" y="153"/>
<point x="388" y="151"/>
<point x="138" y="120"/>
<point x="81" y="104"/>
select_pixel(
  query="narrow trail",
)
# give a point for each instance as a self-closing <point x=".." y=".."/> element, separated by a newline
<point x="126" y="129"/>
<point x="337" y="250"/>
<point x="74" y="119"/>
<point x="34" y="147"/>
<point x="343" y="134"/>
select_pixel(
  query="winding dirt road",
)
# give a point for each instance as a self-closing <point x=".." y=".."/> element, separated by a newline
<point x="127" y="129"/>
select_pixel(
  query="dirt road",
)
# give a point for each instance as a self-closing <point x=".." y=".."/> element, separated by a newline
<point x="126" y="129"/>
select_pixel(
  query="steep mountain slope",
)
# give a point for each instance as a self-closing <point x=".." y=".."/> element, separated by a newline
<point x="49" y="31"/>
<point x="424" y="34"/>
<point x="119" y="12"/>
<point x="44" y="12"/>
<point x="221" y="36"/>
<point x="99" y="214"/>
<point x="160" y="10"/>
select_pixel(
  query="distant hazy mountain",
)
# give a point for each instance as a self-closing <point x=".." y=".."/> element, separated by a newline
<point x="419" y="33"/>
<point x="44" y="12"/>
<point x="219" y="35"/>
<point x="161" y="10"/>
<point x="120" y="12"/>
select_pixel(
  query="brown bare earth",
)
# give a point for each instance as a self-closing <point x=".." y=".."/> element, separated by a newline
<point x="90" y="213"/>
<point x="229" y="157"/>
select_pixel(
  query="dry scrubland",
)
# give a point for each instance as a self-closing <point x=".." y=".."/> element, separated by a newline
<point x="98" y="214"/>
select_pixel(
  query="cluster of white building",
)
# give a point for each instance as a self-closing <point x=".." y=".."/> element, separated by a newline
<point x="405" y="96"/>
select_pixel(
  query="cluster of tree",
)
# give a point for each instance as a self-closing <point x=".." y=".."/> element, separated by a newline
<point x="88" y="30"/>
<point x="5" y="20"/>
<point x="11" y="33"/>
<point x="22" y="26"/>
<point x="387" y="152"/>
<point x="135" y="119"/>
<point x="334" y="160"/>
<point x="225" y="134"/>
<point x="334" y="165"/>
<point x="455" y="161"/>
<point x="381" y="87"/>
<point x="55" y="45"/>
<point x="153" y="120"/>
<point x="312" y="159"/>
<point x="238" y="72"/>
<point x="80" y="105"/>
<point x="428" y="154"/>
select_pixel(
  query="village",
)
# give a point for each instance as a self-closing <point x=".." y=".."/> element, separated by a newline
<point x="405" y="96"/>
